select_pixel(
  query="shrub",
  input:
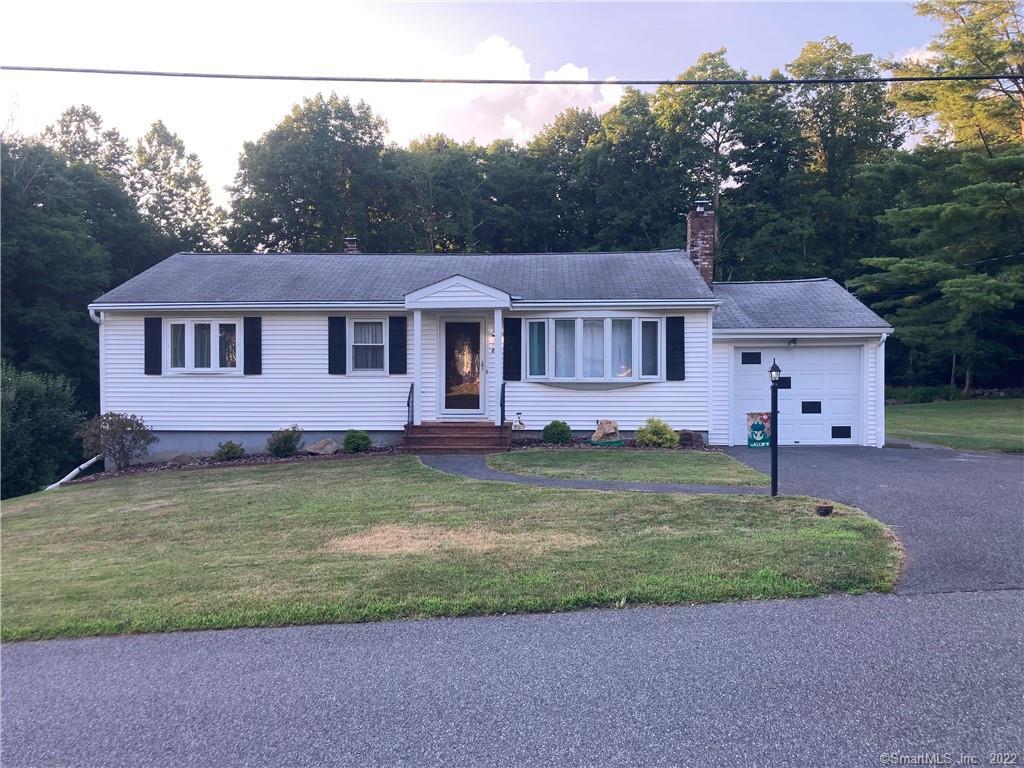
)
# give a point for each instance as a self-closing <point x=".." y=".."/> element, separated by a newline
<point x="39" y="422"/>
<point x="655" y="433"/>
<point x="357" y="442"/>
<point x="922" y="394"/>
<point x="284" y="442"/>
<point x="228" y="451"/>
<point x="557" y="432"/>
<point x="119" y="436"/>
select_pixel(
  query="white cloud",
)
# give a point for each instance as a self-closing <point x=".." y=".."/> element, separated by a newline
<point x="215" y="117"/>
<point x="918" y="55"/>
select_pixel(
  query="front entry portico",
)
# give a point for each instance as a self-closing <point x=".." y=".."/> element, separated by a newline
<point x="459" y="377"/>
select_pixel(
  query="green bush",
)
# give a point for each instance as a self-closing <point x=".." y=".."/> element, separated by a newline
<point x="39" y="422"/>
<point x="357" y="442"/>
<point x="557" y="432"/>
<point x="922" y="394"/>
<point x="228" y="451"/>
<point x="284" y="442"/>
<point x="655" y="433"/>
<point x="118" y="436"/>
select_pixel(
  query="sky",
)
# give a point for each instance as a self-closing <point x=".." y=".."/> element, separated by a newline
<point x="602" y="41"/>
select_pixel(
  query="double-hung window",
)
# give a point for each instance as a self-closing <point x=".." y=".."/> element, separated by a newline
<point x="203" y="345"/>
<point x="368" y="345"/>
<point x="593" y="348"/>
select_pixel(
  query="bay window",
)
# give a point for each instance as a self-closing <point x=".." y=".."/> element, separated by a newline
<point x="649" y="347"/>
<point x="565" y="349"/>
<point x="593" y="349"/>
<point x="201" y="346"/>
<point x="537" y="346"/>
<point x="587" y="348"/>
<point x="622" y="348"/>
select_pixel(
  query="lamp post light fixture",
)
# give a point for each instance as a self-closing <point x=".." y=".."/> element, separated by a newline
<point x="774" y="372"/>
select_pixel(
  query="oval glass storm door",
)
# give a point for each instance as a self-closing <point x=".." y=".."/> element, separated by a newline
<point x="462" y="366"/>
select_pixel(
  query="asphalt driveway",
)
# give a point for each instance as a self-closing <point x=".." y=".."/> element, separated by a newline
<point x="959" y="514"/>
<point x="830" y="681"/>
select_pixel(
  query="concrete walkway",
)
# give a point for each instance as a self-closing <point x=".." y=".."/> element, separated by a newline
<point x="476" y="468"/>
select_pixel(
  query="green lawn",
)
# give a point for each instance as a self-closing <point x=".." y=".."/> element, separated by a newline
<point x="640" y="466"/>
<point x="970" y="424"/>
<point x="386" y="537"/>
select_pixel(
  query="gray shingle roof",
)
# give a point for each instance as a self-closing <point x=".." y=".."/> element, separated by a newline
<point x="271" y="278"/>
<point x="817" y="303"/>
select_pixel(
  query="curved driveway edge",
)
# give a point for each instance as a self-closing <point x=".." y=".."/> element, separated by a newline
<point x="475" y="467"/>
<point x="959" y="514"/>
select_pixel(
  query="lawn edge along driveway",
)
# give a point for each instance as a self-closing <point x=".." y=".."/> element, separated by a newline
<point x="992" y="424"/>
<point x="389" y="538"/>
<point x="667" y="467"/>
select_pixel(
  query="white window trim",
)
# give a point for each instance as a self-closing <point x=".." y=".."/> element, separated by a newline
<point x="350" y="335"/>
<point x="549" y="343"/>
<point x="215" y="369"/>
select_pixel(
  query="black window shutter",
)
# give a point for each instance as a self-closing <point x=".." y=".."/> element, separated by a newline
<point x="252" y="346"/>
<point x="396" y="344"/>
<point x="512" y="349"/>
<point x="336" y="346"/>
<point x="153" y="355"/>
<point x="675" y="348"/>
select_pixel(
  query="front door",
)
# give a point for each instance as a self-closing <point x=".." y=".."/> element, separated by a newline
<point x="462" y="375"/>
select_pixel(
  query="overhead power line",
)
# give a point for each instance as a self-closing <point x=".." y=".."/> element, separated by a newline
<point x="497" y="81"/>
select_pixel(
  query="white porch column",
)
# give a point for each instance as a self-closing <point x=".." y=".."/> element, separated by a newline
<point x="499" y="361"/>
<point x="417" y="366"/>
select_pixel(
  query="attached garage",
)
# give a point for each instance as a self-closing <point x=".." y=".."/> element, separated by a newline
<point x="830" y="347"/>
<point x="820" y="392"/>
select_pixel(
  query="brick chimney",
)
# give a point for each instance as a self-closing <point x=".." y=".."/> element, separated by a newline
<point x="352" y="244"/>
<point x="700" y="238"/>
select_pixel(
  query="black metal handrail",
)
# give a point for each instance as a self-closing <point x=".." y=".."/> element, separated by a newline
<point x="410" y="402"/>
<point x="501" y="403"/>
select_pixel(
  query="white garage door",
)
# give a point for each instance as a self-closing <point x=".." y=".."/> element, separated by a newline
<point x="820" y="393"/>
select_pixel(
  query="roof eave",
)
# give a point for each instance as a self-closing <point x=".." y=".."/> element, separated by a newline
<point x="813" y="333"/>
<point x="316" y="305"/>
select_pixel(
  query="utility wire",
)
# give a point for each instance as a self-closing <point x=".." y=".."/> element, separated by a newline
<point x="494" y="81"/>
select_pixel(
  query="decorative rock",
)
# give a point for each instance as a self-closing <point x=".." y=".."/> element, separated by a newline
<point x="607" y="430"/>
<point x="181" y="459"/>
<point x="690" y="439"/>
<point x="325" y="447"/>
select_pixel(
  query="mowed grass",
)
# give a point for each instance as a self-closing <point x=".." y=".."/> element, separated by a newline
<point x="680" y="467"/>
<point x="386" y="538"/>
<point x="994" y="425"/>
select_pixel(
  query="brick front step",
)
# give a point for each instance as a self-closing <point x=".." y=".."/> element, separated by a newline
<point x="457" y="437"/>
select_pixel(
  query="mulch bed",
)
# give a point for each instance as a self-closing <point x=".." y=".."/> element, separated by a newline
<point x="583" y="443"/>
<point x="256" y="459"/>
<point x="208" y="462"/>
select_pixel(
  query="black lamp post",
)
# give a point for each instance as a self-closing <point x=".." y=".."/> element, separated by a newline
<point x="774" y="372"/>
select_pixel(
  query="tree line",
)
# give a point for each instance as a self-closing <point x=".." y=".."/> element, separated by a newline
<point x="808" y="180"/>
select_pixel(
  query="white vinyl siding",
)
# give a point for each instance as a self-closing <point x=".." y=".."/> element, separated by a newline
<point x="721" y="392"/>
<point x="294" y="387"/>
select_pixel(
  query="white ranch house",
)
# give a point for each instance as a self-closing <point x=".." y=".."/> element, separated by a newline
<point x="212" y="347"/>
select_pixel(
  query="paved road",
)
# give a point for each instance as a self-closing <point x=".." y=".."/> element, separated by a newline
<point x="830" y="681"/>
